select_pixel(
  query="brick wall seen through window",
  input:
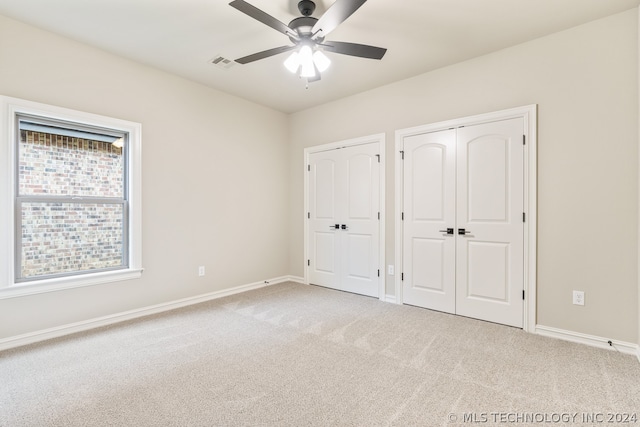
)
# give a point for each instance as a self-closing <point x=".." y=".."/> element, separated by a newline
<point x="72" y="212"/>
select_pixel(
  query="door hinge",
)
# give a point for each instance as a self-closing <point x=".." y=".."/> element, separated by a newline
<point x="402" y="152"/>
<point x="402" y="276"/>
<point x="309" y="215"/>
<point x="378" y="156"/>
<point x="523" y="217"/>
<point x="309" y="168"/>
<point x="523" y="294"/>
<point x="308" y="262"/>
<point x="378" y="272"/>
<point x="402" y="217"/>
<point x="524" y="139"/>
<point x="378" y="215"/>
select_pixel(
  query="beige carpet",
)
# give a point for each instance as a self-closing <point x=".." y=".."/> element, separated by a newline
<point x="296" y="355"/>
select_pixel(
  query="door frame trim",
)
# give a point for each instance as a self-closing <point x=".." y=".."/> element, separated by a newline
<point x="529" y="115"/>
<point x="380" y="139"/>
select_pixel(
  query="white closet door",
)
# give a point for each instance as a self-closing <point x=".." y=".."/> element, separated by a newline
<point x="324" y="206"/>
<point x="360" y="239"/>
<point x="490" y="264"/>
<point x="345" y="192"/>
<point x="429" y="210"/>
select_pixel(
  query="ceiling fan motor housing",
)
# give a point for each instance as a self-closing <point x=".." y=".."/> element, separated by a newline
<point x="306" y="7"/>
<point x="303" y="26"/>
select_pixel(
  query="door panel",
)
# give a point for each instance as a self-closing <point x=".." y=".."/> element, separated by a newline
<point x="490" y="201"/>
<point x="429" y="208"/>
<point x="358" y="256"/>
<point x="488" y="271"/>
<point x="324" y="190"/>
<point x="359" y="186"/>
<point x="324" y="245"/>
<point x="428" y="276"/>
<point x="430" y="179"/>
<point x="488" y="178"/>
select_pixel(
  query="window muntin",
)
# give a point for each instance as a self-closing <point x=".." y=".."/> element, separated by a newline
<point x="71" y="199"/>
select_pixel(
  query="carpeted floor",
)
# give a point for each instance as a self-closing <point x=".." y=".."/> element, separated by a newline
<point x="296" y="355"/>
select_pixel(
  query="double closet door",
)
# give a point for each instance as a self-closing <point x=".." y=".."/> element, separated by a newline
<point x="344" y="204"/>
<point x="463" y="230"/>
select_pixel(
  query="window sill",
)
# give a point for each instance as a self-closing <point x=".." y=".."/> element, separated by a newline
<point x="70" y="282"/>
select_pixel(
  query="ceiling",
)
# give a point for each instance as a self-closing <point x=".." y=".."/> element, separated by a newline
<point x="183" y="36"/>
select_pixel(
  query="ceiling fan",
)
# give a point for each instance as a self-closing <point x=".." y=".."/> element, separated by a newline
<point x="308" y="37"/>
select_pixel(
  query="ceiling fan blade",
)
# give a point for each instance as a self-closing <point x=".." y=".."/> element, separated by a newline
<point x="264" y="54"/>
<point x="335" y="15"/>
<point x="261" y="16"/>
<point x="354" y="49"/>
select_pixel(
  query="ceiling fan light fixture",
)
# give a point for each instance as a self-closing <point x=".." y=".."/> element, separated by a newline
<point x="321" y="60"/>
<point x="305" y="56"/>
<point x="306" y="62"/>
<point x="292" y="63"/>
<point x="308" y="70"/>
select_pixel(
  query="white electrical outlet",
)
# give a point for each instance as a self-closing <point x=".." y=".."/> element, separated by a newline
<point x="201" y="270"/>
<point x="391" y="270"/>
<point x="578" y="297"/>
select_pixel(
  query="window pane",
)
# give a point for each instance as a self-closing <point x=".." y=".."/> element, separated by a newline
<point x="68" y="237"/>
<point x="53" y="164"/>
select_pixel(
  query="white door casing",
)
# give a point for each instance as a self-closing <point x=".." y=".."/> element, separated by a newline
<point x="492" y="277"/>
<point x="343" y="188"/>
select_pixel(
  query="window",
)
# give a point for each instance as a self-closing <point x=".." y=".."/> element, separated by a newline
<point x="71" y="208"/>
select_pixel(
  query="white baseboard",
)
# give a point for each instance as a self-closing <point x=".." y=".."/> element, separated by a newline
<point x="390" y="298"/>
<point x="71" y="328"/>
<point x="592" y="340"/>
<point x="296" y="279"/>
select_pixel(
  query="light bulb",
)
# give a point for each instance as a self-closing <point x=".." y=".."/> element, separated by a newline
<point x="306" y="62"/>
<point x="293" y="62"/>
<point x="321" y="61"/>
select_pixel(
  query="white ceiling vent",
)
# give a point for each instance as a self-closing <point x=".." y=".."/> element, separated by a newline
<point x="222" y="62"/>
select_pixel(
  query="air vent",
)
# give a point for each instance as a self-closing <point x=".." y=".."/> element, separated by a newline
<point x="222" y="62"/>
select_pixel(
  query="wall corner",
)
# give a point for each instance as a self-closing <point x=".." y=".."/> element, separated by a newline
<point x="638" y="143"/>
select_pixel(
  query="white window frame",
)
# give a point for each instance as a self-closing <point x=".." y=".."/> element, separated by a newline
<point x="9" y="109"/>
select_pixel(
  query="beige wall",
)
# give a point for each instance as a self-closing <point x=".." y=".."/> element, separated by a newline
<point x="585" y="82"/>
<point x="233" y="200"/>
<point x="214" y="189"/>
